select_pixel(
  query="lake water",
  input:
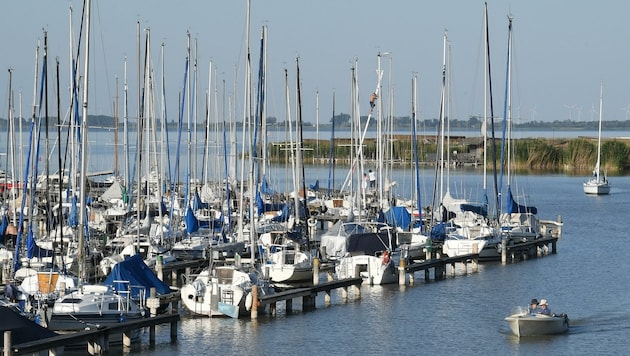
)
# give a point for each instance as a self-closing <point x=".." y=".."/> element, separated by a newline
<point x="101" y="147"/>
<point x="587" y="279"/>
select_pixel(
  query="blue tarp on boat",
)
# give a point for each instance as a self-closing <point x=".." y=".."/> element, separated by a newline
<point x="398" y="216"/>
<point x="475" y="208"/>
<point x="32" y="250"/>
<point x="514" y="207"/>
<point x="137" y="273"/>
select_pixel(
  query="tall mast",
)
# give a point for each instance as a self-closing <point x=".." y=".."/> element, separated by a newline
<point x="84" y="136"/>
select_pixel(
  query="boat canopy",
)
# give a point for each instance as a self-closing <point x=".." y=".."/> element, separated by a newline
<point x="369" y="243"/>
<point x="398" y="216"/>
<point x="514" y="207"/>
<point x="139" y="276"/>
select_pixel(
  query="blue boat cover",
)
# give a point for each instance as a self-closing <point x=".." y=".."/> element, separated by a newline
<point x="398" y="216"/>
<point x="514" y="207"/>
<point x="475" y="208"/>
<point x="137" y="273"/>
<point x="32" y="250"/>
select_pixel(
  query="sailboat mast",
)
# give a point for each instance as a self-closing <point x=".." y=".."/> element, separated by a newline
<point x="84" y="136"/>
<point x="599" y="130"/>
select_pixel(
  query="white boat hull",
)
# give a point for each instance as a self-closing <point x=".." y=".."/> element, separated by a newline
<point x="224" y="292"/>
<point x="596" y="187"/>
<point x="524" y="324"/>
<point x="372" y="269"/>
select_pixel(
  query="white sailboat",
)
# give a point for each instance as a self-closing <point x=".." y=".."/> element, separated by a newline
<point x="598" y="183"/>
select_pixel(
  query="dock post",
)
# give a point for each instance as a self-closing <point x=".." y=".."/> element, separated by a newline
<point x="401" y="272"/>
<point x="289" y="306"/>
<point x="173" y="330"/>
<point x="553" y="247"/>
<point x="344" y="293"/>
<point x="152" y="335"/>
<point x="7" y="343"/>
<point x="426" y="275"/>
<point x="357" y="274"/>
<point x="159" y="268"/>
<point x="503" y="251"/>
<point x="174" y="279"/>
<point x="254" y="312"/>
<point x="315" y="271"/>
<point x="153" y="302"/>
<point x="126" y="338"/>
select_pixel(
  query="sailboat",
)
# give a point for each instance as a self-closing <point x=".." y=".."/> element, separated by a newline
<point x="598" y="183"/>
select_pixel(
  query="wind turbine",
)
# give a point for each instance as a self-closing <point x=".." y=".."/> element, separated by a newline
<point x="570" y="107"/>
<point x="533" y="110"/>
<point x="627" y="109"/>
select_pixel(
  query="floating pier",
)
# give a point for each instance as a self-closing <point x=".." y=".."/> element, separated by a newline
<point x="97" y="340"/>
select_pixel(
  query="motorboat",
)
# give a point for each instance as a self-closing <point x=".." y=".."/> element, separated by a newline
<point x="283" y="261"/>
<point x="524" y="323"/>
<point x="362" y="249"/>
<point x="93" y="306"/>
<point x="222" y="291"/>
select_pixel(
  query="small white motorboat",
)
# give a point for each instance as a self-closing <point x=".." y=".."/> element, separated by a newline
<point x="522" y="323"/>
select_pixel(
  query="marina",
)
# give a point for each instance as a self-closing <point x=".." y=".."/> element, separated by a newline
<point x="154" y="235"/>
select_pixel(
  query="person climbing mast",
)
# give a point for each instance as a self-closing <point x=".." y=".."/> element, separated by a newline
<point x="373" y="98"/>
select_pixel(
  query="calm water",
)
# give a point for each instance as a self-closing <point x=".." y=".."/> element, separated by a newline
<point x="101" y="145"/>
<point x="587" y="279"/>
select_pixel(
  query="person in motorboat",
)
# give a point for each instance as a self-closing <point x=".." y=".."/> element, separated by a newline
<point x="543" y="308"/>
<point x="533" y="307"/>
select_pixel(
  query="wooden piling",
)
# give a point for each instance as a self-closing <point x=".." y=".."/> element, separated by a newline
<point x="7" y="343"/>
<point x="254" y="310"/>
<point x="402" y="278"/>
<point x="159" y="268"/>
<point x="475" y="262"/>
<point x="315" y="271"/>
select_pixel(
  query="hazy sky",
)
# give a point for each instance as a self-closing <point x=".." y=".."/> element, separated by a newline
<point x="562" y="51"/>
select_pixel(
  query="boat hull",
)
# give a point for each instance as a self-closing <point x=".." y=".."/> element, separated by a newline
<point x="374" y="270"/>
<point x="596" y="188"/>
<point x="538" y="324"/>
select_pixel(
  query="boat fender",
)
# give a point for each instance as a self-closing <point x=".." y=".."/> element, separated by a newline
<point x="386" y="257"/>
<point x="312" y="222"/>
<point x="248" y="301"/>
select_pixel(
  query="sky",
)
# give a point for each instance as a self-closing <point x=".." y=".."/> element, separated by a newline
<point x="562" y="52"/>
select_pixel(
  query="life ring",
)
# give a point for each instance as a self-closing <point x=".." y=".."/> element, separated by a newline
<point x="386" y="257"/>
<point x="312" y="222"/>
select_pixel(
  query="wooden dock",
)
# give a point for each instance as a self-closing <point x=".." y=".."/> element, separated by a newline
<point x="524" y="250"/>
<point x="438" y="265"/>
<point x="308" y="295"/>
<point x="96" y="340"/>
